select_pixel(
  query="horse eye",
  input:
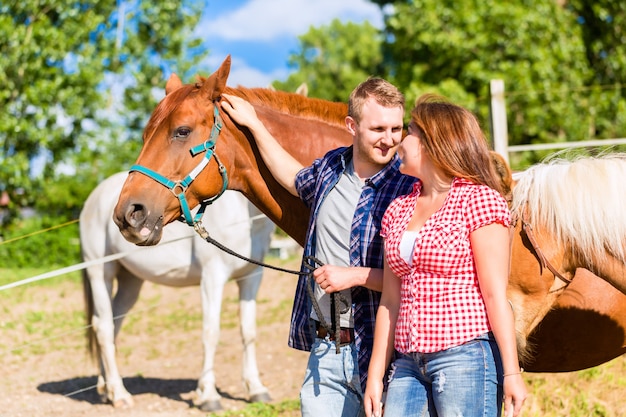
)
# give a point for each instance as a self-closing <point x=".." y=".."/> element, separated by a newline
<point x="182" y="132"/>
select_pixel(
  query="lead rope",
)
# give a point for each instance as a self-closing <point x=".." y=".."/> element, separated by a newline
<point x="311" y="263"/>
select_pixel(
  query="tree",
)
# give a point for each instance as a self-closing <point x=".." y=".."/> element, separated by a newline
<point x="457" y="47"/>
<point x="59" y="62"/>
<point x="603" y="26"/>
<point x="539" y="49"/>
<point x="333" y="59"/>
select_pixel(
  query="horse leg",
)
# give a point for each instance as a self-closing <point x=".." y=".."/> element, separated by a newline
<point x="128" y="289"/>
<point x="110" y="385"/>
<point x="248" y="289"/>
<point x="212" y="289"/>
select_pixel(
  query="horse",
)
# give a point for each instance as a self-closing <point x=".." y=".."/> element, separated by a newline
<point x="182" y="259"/>
<point x="306" y="128"/>
<point x="569" y="211"/>
<point x="546" y="299"/>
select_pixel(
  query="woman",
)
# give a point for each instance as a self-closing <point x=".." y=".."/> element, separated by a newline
<point x="444" y="305"/>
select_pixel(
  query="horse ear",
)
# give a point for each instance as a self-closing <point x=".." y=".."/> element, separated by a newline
<point x="504" y="172"/>
<point x="214" y="86"/>
<point x="174" y="83"/>
<point x="303" y="90"/>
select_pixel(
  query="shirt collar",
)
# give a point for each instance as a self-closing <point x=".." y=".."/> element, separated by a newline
<point x="456" y="182"/>
<point x="389" y="170"/>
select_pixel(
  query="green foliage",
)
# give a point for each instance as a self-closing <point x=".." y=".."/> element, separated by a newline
<point x="56" y="247"/>
<point x="537" y="51"/>
<point x="78" y="81"/>
<point x="603" y="23"/>
<point x="564" y="66"/>
<point x="334" y="59"/>
<point x="283" y="408"/>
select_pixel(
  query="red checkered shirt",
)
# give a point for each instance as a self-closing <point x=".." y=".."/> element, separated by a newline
<point x="441" y="304"/>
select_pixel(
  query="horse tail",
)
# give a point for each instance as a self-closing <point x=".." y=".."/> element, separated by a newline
<point x="90" y="334"/>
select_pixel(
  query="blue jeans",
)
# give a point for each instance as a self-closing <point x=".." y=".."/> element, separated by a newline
<point x="460" y="381"/>
<point x="331" y="384"/>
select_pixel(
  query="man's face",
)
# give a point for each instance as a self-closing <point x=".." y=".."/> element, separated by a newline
<point x="377" y="135"/>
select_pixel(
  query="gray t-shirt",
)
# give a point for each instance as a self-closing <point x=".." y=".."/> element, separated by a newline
<point x="332" y="232"/>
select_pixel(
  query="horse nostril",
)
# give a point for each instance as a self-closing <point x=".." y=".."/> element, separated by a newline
<point x="135" y="215"/>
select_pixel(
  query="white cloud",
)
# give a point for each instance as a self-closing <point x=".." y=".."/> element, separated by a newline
<point x="241" y="74"/>
<point x="265" y="20"/>
<point x="260" y="34"/>
<point x="251" y="77"/>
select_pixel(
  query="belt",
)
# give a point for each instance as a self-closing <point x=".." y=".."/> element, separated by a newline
<point x="345" y="333"/>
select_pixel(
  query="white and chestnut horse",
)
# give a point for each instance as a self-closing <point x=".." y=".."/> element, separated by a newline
<point x="112" y="288"/>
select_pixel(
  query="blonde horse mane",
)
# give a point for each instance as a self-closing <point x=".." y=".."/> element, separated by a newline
<point x="579" y="202"/>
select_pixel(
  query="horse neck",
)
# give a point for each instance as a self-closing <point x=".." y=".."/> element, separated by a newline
<point x="287" y="211"/>
<point x="304" y="138"/>
<point x="530" y="284"/>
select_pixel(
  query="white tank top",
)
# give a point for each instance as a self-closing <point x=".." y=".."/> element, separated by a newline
<point x="406" y="245"/>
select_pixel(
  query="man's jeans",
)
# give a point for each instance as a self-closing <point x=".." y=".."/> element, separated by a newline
<point x="331" y="384"/>
<point x="460" y="381"/>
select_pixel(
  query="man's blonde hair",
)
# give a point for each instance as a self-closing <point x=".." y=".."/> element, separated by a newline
<point x="385" y="94"/>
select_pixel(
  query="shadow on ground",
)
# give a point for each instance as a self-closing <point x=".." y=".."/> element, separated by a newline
<point x="83" y="389"/>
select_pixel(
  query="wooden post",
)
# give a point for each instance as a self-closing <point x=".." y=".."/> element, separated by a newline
<point x="499" y="129"/>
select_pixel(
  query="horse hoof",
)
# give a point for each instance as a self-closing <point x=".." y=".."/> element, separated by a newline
<point x="211" y="406"/>
<point x="123" y="403"/>
<point x="262" y="397"/>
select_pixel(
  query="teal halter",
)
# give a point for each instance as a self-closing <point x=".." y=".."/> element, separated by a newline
<point x="178" y="188"/>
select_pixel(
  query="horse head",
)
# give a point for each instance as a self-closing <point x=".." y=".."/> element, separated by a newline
<point x="193" y="151"/>
<point x="179" y="145"/>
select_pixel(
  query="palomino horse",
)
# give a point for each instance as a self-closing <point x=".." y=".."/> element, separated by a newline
<point x="306" y="128"/>
<point x="185" y="260"/>
<point x="571" y="212"/>
<point x="546" y="304"/>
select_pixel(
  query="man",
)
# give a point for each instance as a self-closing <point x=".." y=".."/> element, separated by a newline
<point x="348" y="191"/>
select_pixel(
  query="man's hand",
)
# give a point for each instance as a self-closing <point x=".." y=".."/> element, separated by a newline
<point x="240" y="111"/>
<point x="332" y="278"/>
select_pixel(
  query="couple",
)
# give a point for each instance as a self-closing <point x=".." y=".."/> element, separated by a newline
<point x="420" y="219"/>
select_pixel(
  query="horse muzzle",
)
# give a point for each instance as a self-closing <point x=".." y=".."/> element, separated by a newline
<point x="137" y="226"/>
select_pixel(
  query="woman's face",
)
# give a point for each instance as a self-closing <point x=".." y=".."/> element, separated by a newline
<point x="411" y="152"/>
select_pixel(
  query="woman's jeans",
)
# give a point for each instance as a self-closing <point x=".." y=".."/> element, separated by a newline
<point x="460" y="381"/>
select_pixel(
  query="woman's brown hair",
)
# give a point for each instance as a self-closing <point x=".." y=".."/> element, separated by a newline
<point x="454" y="140"/>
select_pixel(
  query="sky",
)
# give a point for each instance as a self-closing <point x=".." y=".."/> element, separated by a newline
<point x="260" y="34"/>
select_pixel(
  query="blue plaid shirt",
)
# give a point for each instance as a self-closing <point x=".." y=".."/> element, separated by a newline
<point x="366" y="245"/>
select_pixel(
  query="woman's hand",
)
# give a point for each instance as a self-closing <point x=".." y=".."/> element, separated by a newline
<point x="515" y="394"/>
<point x="372" y="398"/>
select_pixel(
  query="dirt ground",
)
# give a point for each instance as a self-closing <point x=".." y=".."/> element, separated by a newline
<point x="46" y="370"/>
<point x="159" y="359"/>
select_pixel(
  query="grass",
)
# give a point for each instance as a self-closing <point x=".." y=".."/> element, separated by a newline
<point x="287" y="408"/>
<point x="43" y="324"/>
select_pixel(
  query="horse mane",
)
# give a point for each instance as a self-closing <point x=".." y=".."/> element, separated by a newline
<point x="294" y="104"/>
<point x="331" y="112"/>
<point x="580" y="202"/>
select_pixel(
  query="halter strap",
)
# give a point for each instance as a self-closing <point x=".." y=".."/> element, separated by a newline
<point x="543" y="261"/>
<point x="178" y="188"/>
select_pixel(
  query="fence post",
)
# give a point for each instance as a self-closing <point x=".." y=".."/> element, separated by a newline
<point x="499" y="129"/>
